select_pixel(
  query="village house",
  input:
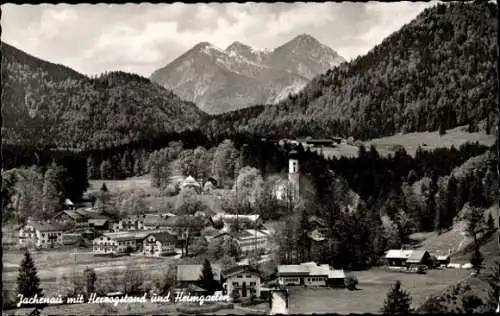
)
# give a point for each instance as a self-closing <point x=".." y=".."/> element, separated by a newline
<point x="131" y="222"/>
<point x="69" y="205"/>
<point x="253" y="220"/>
<point x="189" y="274"/>
<point x="443" y="260"/>
<point x="248" y="240"/>
<point x="310" y="274"/>
<point x="190" y="182"/>
<point x="119" y="242"/>
<point x="252" y="240"/>
<point x="81" y="219"/>
<point x="41" y="235"/>
<point x="397" y="258"/>
<point x="159" y="244"/>
<point x="243" y="279"/>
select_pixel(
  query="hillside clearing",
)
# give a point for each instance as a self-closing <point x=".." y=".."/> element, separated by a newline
<point x="427" y="140"/>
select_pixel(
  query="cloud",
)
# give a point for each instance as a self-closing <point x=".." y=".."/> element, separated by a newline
<point x="144" y="37"/>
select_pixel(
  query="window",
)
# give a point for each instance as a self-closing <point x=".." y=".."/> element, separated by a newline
<point x="248" y="275"/>
<point x="235" y="284"/>
<point x="253" y="283"/>
<point x="240" y="276"/>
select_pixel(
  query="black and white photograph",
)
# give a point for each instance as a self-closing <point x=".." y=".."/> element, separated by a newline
<point x="251" y="158"/>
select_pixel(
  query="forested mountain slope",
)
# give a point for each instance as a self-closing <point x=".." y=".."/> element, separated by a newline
<point x="51" y="105"/>
<point x="438" y="70"/>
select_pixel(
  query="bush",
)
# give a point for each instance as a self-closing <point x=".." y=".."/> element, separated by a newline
<point x="351" y="282"/>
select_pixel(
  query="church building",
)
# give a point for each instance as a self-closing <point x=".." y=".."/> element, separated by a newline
<point x="289" y="190"/>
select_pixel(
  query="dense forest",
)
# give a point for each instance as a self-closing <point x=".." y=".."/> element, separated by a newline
<point x="47" y="105"/>
<point x="438" y="71"/>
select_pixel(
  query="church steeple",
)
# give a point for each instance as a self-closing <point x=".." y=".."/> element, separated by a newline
<point x="294" y="174"/>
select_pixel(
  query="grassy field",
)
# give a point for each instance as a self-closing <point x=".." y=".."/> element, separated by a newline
<point x="51" y="264"/>
<point x="411" y="141"/>
<point x="373" y="287"/>
<point x="135" y="183"/>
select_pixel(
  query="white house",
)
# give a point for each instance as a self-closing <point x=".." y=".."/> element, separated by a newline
<point x="242" y="279"/>
<point x="159" y="244"/>
<point x="43" y="235"/>
<point x="252" y="240"/>
<point x="310" y="274"/>
<point x="132" y="222"/>
<point x="119" y="242"/>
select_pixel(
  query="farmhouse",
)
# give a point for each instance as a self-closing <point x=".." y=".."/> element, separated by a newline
<point x="242" y="279"/>
<point x="397" y="257"/>
<point x="83" y="218"/>
<point x="132" y="222"/>
<point x="443" y="260"/>
<point x="39" y="234"/>
<point x="190" y="274"/>
<point x="159" y="244"/>
<point x="119" y="242"/>
<point x="407" y="257"/>
<point x="310" y="274"/>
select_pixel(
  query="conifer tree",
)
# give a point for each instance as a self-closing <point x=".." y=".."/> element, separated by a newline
<point x="52" y="196"/>
<point x="28" y="283"/>
<point x="207" y="277"/>
<point x="398" y="300"/>
<point x="477" y="259"/>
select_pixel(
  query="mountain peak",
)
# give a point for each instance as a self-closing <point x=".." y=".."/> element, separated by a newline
<point x="236" y="46"/>
<point x="205" y="47"/>
<point x="305" y="38"/>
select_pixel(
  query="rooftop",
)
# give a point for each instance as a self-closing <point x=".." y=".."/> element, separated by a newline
<point x="398" y="254"/>
<point x="164" y="236"/>
<point x="310" y="269"/>
<point x="239" y="269"/>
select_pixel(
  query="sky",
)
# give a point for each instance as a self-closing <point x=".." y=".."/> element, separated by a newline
<point x="141" y="38"/>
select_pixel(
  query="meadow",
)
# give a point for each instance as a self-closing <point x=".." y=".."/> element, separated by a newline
<point x="52" y="263"/>
<point x="410" y="141"/>
<point x="373" y="287"/>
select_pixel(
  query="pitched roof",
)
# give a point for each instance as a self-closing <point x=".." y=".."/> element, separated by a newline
<point x="239" y="269"/>
<point x="249" y="233"/>
<point x="190" y="181"/>
<point x="293" y="269"/>
<point x="233" y="217"/>
<point x="416" y="255"/>
<point x="316" y="235"/>
<point x="310" y="269"/>
<point x="192" y="272"/>
<point x="132" y="235"/>
<point x="97" y="222"/>
<point x="336" y="274"/>
<point x="398" y="254"/>
<point x="82" y="214"/>
<point x="44" y="226"/>
<point x="163" y="237"/>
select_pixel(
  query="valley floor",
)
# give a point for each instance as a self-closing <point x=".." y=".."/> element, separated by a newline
<point x="373" y="287"/>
